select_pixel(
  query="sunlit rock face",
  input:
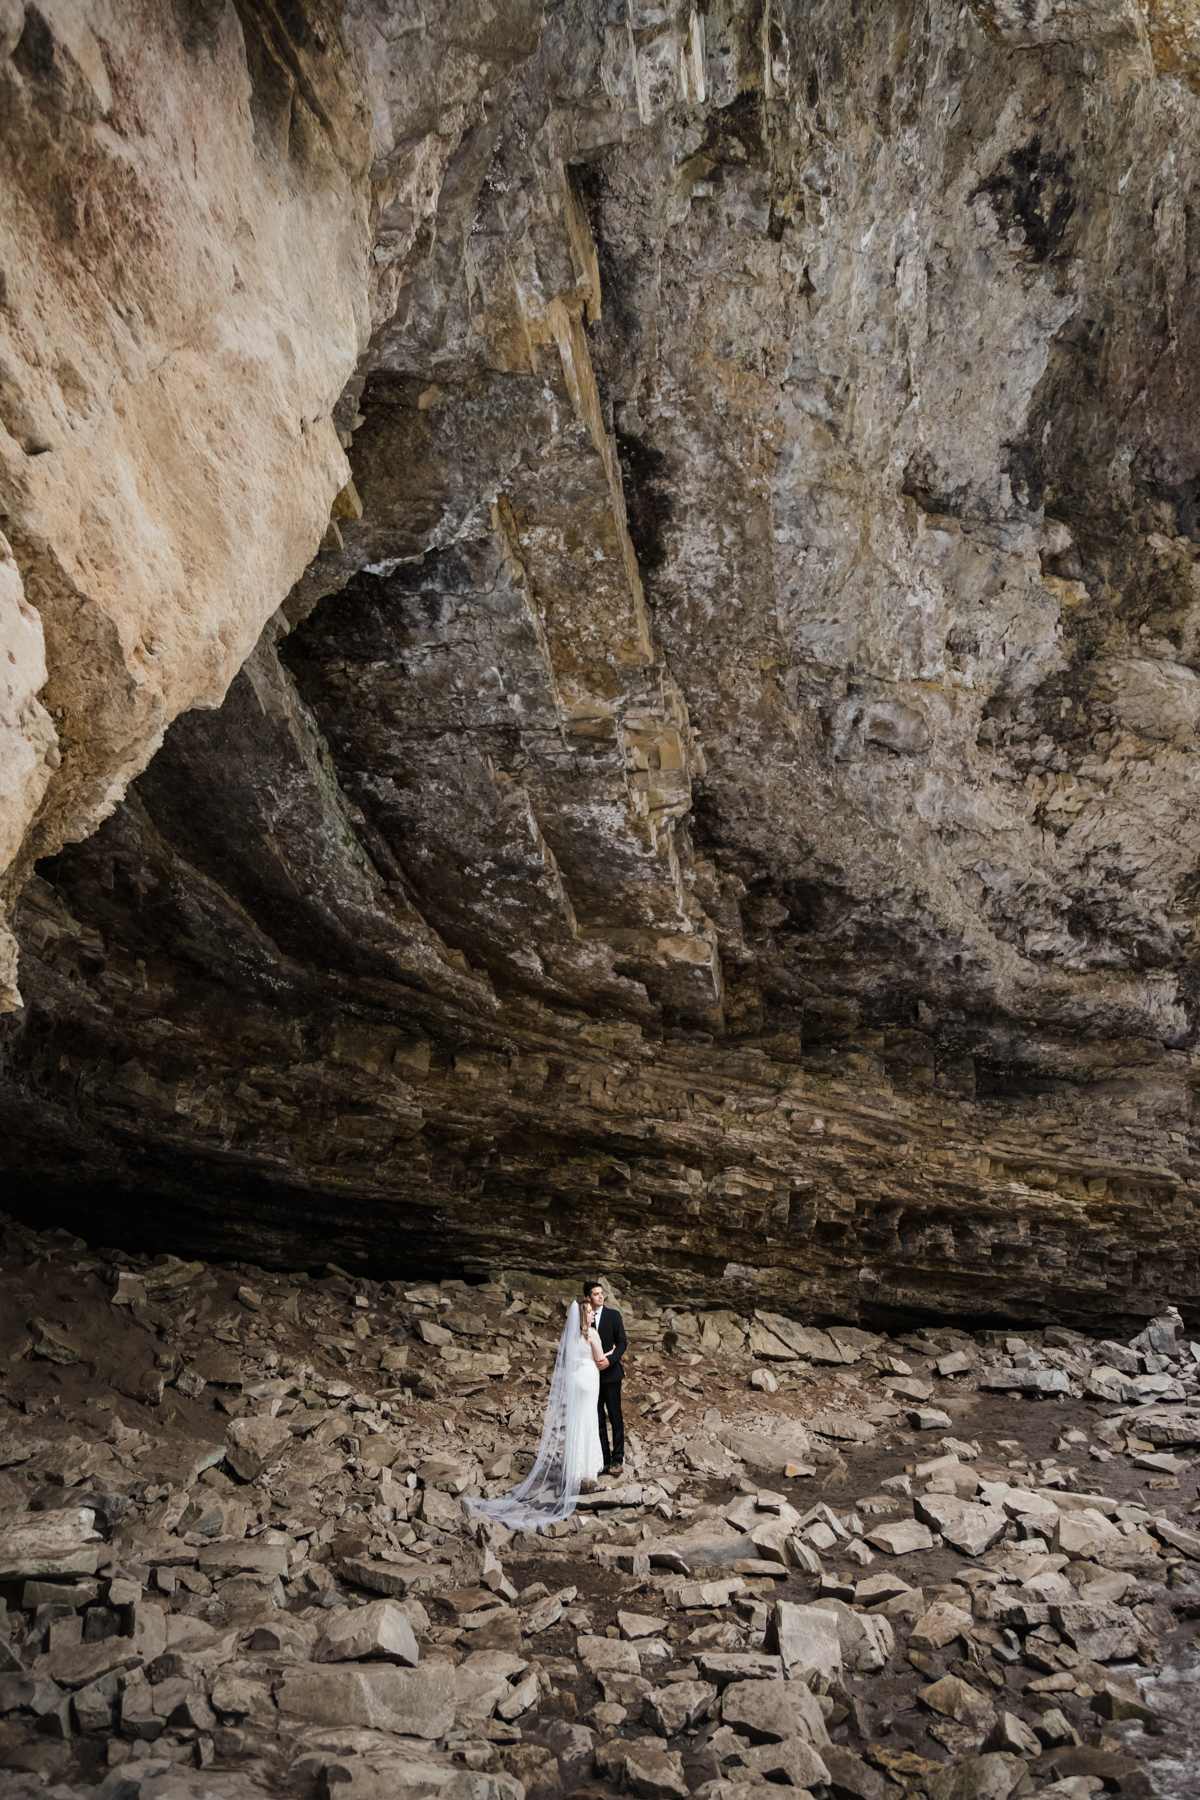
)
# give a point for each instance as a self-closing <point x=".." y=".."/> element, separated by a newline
<point x="719" y="800"/>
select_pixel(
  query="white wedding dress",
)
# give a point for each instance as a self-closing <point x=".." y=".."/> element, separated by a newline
<point x="569" y="1450"/>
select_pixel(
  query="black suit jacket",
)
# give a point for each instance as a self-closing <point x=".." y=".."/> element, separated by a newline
<point x="613" y="1342"/>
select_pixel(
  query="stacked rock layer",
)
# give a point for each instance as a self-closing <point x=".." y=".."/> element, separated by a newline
<point x="692" y="513"/>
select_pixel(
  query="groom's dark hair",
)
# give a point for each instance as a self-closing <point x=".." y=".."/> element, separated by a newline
<point x="594" y="1282"/>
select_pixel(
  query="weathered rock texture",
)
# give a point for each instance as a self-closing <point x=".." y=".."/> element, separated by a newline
<point x="203" y="208"/>
<point x="721" y="794"/>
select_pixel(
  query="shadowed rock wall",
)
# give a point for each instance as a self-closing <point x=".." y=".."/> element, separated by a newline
<point x="719" y="798"/>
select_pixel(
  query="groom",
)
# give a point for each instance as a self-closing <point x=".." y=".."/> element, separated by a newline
<point x="611" y="1329"/>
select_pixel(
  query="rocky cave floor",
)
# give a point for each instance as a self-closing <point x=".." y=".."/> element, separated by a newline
<point x="233" y="1558"/>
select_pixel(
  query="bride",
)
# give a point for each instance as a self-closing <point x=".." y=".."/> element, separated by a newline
<point x="569" y="1452"/>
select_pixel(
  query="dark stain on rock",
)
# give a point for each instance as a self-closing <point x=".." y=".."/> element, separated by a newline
<point x="647" y="500"/>
<point x="1184" y="498"/>
<point x="1023" y="465"/>
<point x="735" y="133"/>
<point x="1033" y="191"/>
<point x="921" y="484"/>
<point x="34" y="54"/>
<point x="996" y="1080"/>
<point x="590" y="184"/>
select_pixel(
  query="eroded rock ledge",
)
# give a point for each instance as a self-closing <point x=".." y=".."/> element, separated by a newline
<point x="720" y="795"/>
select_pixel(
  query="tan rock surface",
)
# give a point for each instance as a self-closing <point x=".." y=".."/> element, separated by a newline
<point x="722" y="795"/>
<point x="198" y="221"/>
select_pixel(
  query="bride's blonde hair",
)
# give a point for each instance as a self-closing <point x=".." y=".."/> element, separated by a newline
<point x="585" y="1307"/>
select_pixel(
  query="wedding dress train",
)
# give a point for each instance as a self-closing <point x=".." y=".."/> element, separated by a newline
<point x="568" y="1452"/>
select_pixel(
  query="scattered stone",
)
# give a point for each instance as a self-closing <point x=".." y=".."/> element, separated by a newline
<point x="807" y="1640"/>
<point x="955" y="1699"/>
<point x="646" y="1768"/>
<point x="1012" y="1734"/>
<point x="379" y="1630"/>
<point x="640" y="1625"/>
<point x="1026" y="1381"/>
<point x="867" y="1641"/>
<point x="993" y="1776"/>
<point x="739" y="1665"/>
<point x="940" y="1625"/>
<point x="844" y="1428"/>
<point x="901" y="1537"/>
<point x="1102" y="1633"/>
<point x="255" y="1443"/>
<point x="414" y="1702"/>
<point x="1177" y="1537"/>
<point x="60" y="1542"/>
<point x="395" y="1579"/>
<point x="217" y="1611"/>
<point x="602" y="1654"/>
<point x="679" y="1705"/>
<point x="966" y="1525"/>
<point x="792" y="1762"/>
<point x="790" y="1447"/>
<point x="774" y="1710"/>
<point x="1085" y="1534"/>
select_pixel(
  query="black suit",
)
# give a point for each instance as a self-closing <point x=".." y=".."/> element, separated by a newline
<point x="613" y="1342"/>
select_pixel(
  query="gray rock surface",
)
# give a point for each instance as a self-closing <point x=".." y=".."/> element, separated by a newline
<point x="679" y="614"/>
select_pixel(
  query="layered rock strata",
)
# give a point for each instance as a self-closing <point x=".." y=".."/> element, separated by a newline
<point x="720" y="795"/>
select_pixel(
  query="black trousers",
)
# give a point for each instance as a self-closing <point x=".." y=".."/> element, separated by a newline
<point x="609" y="1408"/>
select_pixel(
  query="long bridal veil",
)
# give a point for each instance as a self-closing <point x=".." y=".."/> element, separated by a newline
<point x="549" y="1491"/>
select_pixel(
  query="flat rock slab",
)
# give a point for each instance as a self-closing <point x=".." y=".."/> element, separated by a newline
<point x="939" y="1626"/>
<point x="395" y="1579"/>
<point x="78" y="1665"/>
<point x="691" y="1594"/>
<point x="654" y="1773"/>
<point x="901" y="1537"/>
<point x="867" y="1642"/>
<point x="850" y="1775"/>
<point x="739" y="1665"/>
<point x="1174" y="1427"/>
<point x="1086" y="1534"/>
<point x="789" y="1448"/>
<point x="958" y="1700"/>
<point x="767" y="1711"/>
<point x="1026" y="1381"/>
<point x="63" y="1542"/>
<point x="876" y="1589"/>
<point x="1178" y="1537"/>
<point x="792" y="1762"/>
<point x="379" y="1630"/>
<point x="412" y="1702"/>
<point x="678" y="1705"/>
<point x="965" y="1524"/>
<point x="607" y="1497"/>
<point x="251" y="1557"/>
<point x="607" y="1654"/>
<point x="1101" y="1633"/>
<point x="843" y="1427"/>
<point x="808" y="1643"/>
<point x="640" y="1625"/>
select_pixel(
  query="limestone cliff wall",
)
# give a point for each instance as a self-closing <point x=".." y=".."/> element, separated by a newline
<point x="202" y="204"/>
<point x="717" y="778"/>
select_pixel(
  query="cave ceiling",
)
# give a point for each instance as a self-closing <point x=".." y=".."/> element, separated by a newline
<point x="679" y="747"/>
